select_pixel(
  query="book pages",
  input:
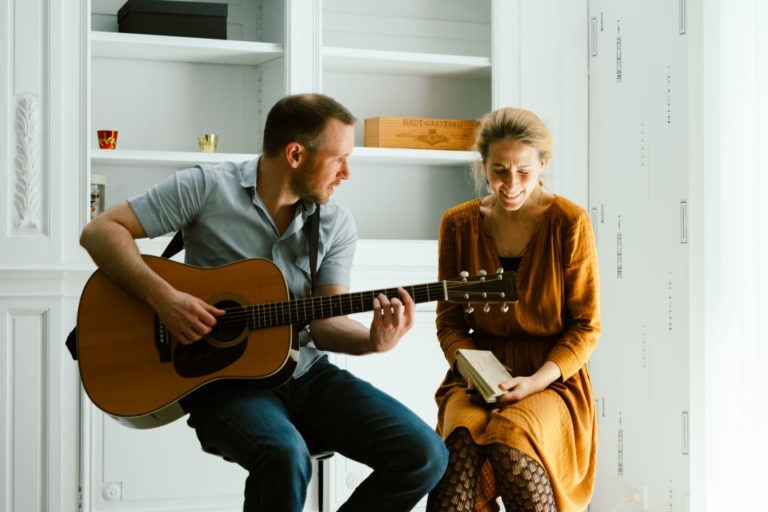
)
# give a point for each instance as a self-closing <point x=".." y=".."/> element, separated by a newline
<point x="484" y="370"/>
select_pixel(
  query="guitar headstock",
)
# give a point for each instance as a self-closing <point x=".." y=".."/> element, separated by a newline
<point x="483" y="288"/>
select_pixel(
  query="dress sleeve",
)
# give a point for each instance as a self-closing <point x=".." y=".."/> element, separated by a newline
<point x="582" y="298"/>
<point x="452" y="329"/>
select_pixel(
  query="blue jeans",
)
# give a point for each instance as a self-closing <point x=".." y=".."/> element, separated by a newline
<point x="271" y="434"/>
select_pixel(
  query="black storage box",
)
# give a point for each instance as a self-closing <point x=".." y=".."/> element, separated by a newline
<point x="185" y="19"/>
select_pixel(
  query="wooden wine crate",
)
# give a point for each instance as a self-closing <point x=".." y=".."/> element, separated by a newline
<point x="420" y="133"/>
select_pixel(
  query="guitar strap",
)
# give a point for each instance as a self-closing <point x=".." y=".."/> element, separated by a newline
<point x="313" y="225"/>
<point x="177" y="244"/>
<point x="174" y="246"/>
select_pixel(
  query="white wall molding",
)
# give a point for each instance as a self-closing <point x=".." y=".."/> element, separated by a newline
<point x="25" y="174"/>
<point x="43" y="166"/>
<point x="43" y="282"/>
<point x="24" y="467"/>
<point x="40" y="141"/>
<point x="28" y="166"/>
<point x="39" y="407"/>
<point x="28" y="73"/>
<point x="6" y="116"/>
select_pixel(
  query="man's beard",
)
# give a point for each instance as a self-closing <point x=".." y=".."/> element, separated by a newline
<point x="303" y="186"/>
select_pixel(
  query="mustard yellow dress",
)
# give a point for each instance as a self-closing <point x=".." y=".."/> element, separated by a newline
<point x="557" y="318"/>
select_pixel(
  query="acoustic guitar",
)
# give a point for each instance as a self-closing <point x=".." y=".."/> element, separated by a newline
<point x="135" y="371"/>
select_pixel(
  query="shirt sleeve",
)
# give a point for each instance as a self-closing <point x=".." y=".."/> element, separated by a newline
<point x="339" y="240"/>
<point x="173" y="202"/>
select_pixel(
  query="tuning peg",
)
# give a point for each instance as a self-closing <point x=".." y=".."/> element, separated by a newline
<point x="464" y="275"/>
<point x="504" y="307"/>
<point x="486" y="308"/>
<point x="482" y="275"/>
<point x="469" y="309"/>
<point x="499" y="271"/>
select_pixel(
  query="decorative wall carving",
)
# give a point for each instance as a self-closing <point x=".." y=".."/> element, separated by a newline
<point x="27" y="190"/>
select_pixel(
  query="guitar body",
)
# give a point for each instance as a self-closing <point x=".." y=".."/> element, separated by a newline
<point x="132" y="370"/>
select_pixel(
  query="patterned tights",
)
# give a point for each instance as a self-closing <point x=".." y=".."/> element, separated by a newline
<point x="523" y="484"/>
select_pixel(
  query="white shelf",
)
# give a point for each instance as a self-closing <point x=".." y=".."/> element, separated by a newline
<point x="434" y="157"/>
<point x="361" y="155"/>
<point x="142" y="158"/>
<point x="184" y="49"/>
<point x="392" y="62"/>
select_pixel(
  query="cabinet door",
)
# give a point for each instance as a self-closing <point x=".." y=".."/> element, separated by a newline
<point x="163" y="469"/>
<point x="638" y="184"/>
<point x="158" y="469"/>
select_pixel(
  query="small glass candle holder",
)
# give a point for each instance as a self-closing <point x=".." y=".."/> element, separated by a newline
<point x="107" y="139"/>
<point x="208" y="142"/>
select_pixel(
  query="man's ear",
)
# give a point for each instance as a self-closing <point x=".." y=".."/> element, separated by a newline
<point x="294" y="154"/>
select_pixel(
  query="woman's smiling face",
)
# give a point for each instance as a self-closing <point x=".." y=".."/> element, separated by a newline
<point x="513" y="169"/>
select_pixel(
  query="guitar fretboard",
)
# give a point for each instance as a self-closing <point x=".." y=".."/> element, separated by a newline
<point x="302" y="311"/>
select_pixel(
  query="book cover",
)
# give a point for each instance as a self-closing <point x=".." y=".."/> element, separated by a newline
<point x="484" y="370"/>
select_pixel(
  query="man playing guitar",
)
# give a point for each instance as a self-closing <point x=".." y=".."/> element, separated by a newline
<point x="234" y="211"/>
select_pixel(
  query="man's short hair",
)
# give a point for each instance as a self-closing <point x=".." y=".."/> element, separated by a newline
<point x="302" y="118"/>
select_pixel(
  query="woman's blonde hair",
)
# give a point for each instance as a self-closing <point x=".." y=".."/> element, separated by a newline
<point x="514" y="124"/>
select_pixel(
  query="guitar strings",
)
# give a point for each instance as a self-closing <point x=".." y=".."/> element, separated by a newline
<point x="268" y="313"/>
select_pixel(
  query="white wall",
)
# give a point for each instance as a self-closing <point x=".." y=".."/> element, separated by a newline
<point x="728" y="275"/>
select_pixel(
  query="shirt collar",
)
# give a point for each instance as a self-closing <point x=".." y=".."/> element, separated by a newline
<point x="248" y="174"/>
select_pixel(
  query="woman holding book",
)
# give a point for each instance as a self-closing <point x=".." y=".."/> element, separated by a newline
<point x="536" y="446"/>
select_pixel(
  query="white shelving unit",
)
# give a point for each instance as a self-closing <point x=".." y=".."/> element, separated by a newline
<point x="159" y="92"/>
<point x="408" y="58"/>
<point x="191" y="86"/>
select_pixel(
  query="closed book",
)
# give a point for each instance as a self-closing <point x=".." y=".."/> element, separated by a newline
<point x="484" y="370"/>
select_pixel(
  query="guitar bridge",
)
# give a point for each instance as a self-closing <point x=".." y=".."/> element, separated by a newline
<point x="162" y="340"/>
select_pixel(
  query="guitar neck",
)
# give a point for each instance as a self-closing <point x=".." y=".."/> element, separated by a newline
<point x="302" y="311"/>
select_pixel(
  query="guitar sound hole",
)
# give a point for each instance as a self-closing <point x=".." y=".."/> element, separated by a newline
<point x="223" y="346"/>
<point x="231" y="326"/>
